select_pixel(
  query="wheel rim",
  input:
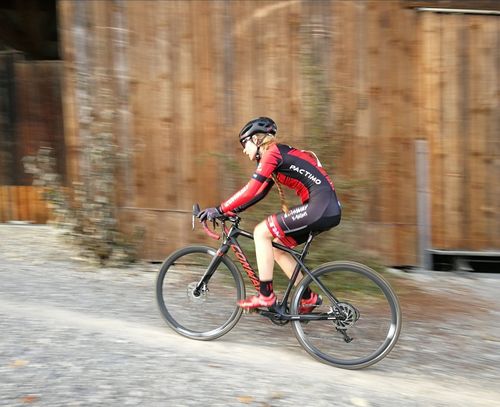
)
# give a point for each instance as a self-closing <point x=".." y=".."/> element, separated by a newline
<point x="205" y="315"/>
<point x="373" y="334"/>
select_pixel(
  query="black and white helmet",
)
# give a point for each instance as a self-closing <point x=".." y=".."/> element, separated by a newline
<point x="261" y="125"/>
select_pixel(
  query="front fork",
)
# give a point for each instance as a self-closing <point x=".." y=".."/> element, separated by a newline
<point x="202" y="285"/>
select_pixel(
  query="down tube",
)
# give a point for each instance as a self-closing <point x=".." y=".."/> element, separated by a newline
<point x="242" y="258"/>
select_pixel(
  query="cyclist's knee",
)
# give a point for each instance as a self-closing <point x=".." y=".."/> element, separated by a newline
<point x="261" y="232"/>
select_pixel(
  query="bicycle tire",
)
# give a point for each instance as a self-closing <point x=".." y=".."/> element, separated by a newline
<point x="211" y="314"/>
<point x="373" y="313"/>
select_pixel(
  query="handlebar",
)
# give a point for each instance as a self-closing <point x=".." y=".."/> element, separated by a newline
<point x="232" y="217"/>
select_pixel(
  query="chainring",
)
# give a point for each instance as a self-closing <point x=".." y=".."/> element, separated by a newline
<point x="279" y="322"/>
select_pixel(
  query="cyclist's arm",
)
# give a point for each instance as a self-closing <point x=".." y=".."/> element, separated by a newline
<point x="258" y="187"/>
<point x="250" y="200"/>
<point x="247" y="196"/>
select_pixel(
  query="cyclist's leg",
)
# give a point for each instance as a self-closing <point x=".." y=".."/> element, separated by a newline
<point x="265" y="263"/>
<point x="264" y="251"/>
<point x="286" y="261"/>
<point x="289" y="232"/>
<point x="294" y="228"/>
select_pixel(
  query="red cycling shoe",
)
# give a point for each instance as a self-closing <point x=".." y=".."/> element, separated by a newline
<point x="256" y="301"/>
<point x="306" y="306"/>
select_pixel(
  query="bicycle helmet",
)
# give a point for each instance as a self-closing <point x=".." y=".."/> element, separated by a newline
<point x="263" y="125"/>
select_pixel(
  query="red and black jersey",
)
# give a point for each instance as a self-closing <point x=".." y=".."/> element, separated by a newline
<point x="297" y="169"/>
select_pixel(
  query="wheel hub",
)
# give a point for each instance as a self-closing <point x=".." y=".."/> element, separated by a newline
<point x="194" y="296"/>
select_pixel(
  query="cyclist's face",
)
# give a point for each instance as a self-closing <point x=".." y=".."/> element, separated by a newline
<point x="250" y="149"/>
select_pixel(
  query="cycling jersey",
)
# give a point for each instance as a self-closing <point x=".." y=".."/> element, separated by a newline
<point x="301" y="171"/>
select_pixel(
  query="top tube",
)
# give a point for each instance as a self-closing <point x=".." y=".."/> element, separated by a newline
<point x="241" y="232"/>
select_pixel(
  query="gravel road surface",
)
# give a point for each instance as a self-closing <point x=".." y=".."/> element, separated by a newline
<point x="73" y="334"/>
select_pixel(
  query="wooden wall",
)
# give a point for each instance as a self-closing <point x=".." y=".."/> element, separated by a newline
<point x="38" y="106"/>
<point x="357" y="81"/>
<point x="460" y="66"/>
<point x="30" y="118"/>
<point x="8" y="145"/>
<point x="23" y="203"/>
<point x="31" y="114"/>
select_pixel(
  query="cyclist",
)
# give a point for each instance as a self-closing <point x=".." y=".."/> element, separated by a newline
<point x="319" y="210"/>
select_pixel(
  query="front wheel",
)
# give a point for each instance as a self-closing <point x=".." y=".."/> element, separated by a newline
<point x="203" y="314"/>
<point x="363" y="322"/>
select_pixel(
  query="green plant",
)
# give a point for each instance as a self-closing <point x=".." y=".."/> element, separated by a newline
<point x="87" y="211"/>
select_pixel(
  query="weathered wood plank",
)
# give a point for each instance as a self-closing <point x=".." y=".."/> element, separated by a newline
<point x="4" y="216"/>
<point x="207" y="123"/>
<point x="294" y="113"/>
<point x="493" y="171"/>
<point x="22" y="203"/>
<point x="186" y="180"/>
<point x="347" y="80"/>
<point x="431" y="37"/>
<point x="481" y="83"/>
<point x="452" y="118"/>
<point x="405" y="134"/>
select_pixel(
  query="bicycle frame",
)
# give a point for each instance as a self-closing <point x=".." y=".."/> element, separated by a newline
<point x="230" y="240"/>
<point x="185" y="275"/>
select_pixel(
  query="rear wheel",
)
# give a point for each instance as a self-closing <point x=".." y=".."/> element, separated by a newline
<point x="362" y="327"/>
<point x="209" y="313"/>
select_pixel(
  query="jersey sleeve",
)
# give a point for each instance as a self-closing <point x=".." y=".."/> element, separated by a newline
<point x="258" y="186"/>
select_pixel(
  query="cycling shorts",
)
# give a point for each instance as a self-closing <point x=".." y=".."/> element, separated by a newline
<point x="322" y="212"/>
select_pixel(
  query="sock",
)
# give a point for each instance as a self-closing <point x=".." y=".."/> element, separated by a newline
<point x="307" y="294"/>
<point x="266" y="288"/>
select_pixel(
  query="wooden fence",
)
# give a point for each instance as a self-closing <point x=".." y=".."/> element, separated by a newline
<point x="460" y="80"/>
<point x="39" y="121"/>
<point x="30" y="118"/>
<point x="357" y="81"/>
<point x="22" y="203"/>
<point x="7" y="117"/>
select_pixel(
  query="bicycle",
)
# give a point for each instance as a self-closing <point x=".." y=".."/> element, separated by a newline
<point x="357" y="324"/>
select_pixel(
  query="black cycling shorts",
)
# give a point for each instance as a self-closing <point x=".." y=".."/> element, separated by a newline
<point x="322" y="212"/>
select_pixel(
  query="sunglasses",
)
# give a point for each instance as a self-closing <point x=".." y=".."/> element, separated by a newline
<point x="245" y="140"/>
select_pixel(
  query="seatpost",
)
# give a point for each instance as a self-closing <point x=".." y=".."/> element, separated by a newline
<point x="305" y="249"/>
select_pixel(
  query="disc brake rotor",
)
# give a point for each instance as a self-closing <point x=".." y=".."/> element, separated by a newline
<point x="349" y="315"/>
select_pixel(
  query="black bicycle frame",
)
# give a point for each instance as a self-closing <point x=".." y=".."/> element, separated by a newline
<point x="231" y="241"/>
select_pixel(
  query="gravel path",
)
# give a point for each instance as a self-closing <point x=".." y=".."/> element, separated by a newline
<point x="76" y="335"/>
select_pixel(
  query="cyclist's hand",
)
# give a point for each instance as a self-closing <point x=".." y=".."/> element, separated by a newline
<point x="209" y="214"/>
